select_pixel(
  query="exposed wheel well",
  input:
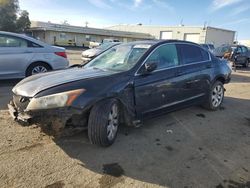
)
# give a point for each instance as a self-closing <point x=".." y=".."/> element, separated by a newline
<point x="221" y="79"/>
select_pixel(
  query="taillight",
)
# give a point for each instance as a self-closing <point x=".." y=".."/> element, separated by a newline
<point x="62" y="54"/>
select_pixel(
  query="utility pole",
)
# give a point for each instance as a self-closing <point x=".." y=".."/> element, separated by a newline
<point x="86" y="24"/>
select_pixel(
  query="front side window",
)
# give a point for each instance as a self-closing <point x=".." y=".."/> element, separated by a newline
<point x="192" y="54"/>
<point x="9" y="41"/>
<point x="119" y="58"/>
<point x="164" y="56"/>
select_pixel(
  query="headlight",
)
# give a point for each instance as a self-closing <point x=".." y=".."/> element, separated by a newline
<point x="55" y="100"/>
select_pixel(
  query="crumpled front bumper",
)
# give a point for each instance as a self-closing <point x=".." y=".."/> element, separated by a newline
<point x="17" y="116"/>
<point x="47" y="116"/>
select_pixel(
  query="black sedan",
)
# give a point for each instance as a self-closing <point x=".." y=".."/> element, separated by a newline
<point x="124" y="85"/>
<point x="238" y="54"/>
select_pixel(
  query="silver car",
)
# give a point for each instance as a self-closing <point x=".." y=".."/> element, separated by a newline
<point x="90" y="54"/>
<point x="22" y="56"/>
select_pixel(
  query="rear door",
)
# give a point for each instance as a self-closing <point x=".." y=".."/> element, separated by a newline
<point x="194" y="72"/>
<point x="157" y="90"/>
<point x="14" y="56"/>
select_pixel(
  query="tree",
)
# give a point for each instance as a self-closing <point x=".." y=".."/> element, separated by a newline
<point x="23" y="22"/>
<point x="8" y="14"/>
<point x="9" y="21"/>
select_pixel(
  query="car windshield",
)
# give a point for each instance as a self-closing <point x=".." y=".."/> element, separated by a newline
<point x="119" y="58"/>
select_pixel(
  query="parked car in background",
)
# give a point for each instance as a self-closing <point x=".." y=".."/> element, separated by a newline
<point x="209" y="47"/>
<point x="93" y="44"/>
<point x="22" y="56"/>
<point x="88" y="55"/>
<point x="110" y="40"/>
<point x="239" y="54"/>
<point x="96" y="44"/>
<point x="125" y="84"/>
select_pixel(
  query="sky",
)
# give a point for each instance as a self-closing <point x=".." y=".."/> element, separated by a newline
<point x="227" y="14"/>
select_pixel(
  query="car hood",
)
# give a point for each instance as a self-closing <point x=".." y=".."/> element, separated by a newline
<point x="32" y="85"/>
<point x="91" y="52"/>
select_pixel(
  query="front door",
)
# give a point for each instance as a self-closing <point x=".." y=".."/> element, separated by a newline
<point x="157" y="90"/>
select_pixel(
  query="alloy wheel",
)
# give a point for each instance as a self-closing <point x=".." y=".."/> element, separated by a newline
<point x="38" y="69"/>
<point x="112" y="126"/>
<point x="217" y="95"/>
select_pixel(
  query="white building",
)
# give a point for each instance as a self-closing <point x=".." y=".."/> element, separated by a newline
<point x="216" y="36"/>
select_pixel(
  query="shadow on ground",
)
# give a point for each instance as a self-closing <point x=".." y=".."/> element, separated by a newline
<point x="237" y="76"/>
<point x="189" y="148"/>
<point x="5" y="91"/>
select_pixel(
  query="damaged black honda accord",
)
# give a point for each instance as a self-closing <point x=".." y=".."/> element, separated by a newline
<point x="124" y="85"/>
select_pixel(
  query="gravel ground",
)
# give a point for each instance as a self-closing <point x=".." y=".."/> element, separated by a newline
<point x="188" y="148"/>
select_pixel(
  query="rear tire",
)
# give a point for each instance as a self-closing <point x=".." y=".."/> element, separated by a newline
<point x="103" y="123"/>
<point x="215" y="96"/>
<point x="36" y="68"/>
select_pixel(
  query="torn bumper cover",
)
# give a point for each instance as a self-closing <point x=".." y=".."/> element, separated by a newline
<point x="48" y="116"/>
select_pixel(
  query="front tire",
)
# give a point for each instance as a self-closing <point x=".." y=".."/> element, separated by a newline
<point x="215" y="96"/>
<point x="104" y="120"/>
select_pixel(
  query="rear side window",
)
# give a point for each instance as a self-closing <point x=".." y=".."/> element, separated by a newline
<point x="244" y="49"/>
<point x="33" y="45"/>
<point x="192" y="54"/>
<point x="9" y="41"/>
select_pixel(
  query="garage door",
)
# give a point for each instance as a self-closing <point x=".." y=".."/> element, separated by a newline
<point x="192" y="37"/>
<point x="166" y="35"/>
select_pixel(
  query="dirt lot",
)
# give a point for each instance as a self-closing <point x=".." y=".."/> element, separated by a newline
<point x="188" y="148"/>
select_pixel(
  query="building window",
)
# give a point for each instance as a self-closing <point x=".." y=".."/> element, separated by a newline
<point x="62" y="35"/>
<point x="88" y="38"/>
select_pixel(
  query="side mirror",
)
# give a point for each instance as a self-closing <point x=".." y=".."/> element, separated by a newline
<point x="150" y="67"/>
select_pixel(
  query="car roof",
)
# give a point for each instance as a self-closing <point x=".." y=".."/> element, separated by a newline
<point x="155" y="42"/>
